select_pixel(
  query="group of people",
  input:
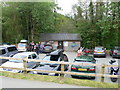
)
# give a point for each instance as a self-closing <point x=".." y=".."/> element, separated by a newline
<point x="38" y="47"/>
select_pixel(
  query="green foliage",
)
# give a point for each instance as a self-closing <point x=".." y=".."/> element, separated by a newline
<point x="23" y="20"/>
<point x="98" y="24"/>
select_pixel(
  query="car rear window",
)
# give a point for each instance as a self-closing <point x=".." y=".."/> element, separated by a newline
<point x="54" y="57"/>
<point x="117" y="49"/>
<point x="99" y="48"/>
<point x="93" y="61"/>
<point x="2" y="51"/>
<point x="10" y="49"/>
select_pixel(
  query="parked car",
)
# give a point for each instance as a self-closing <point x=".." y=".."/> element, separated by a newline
<point x="4" y="43"/>
<point x="23" y="45"/>
<point x="115" y="52"/>
<point x="99" y="51"/>
<point x="19" y="63"/>
<point x="53" y="56"/>
<point x="3" y="53"/>
<point x="10" y="49"/>
<point x="84" y="68"/>
<point x="47" y="48"/>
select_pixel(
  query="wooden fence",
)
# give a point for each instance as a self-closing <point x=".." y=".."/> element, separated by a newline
<point x="102" y="75"/>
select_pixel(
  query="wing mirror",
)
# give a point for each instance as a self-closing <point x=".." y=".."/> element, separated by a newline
<point x="11" y="55"/>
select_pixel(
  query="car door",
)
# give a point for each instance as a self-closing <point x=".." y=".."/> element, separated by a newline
<point x="3" y="53"/>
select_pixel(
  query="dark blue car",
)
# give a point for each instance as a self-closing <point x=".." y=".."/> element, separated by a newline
<point x="115" y="52"/>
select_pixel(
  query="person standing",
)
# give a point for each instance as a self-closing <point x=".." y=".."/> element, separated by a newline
<point x="41" y="47"/>
<point x="32" y="46"/>
<point x="36" y="48"/>
<point x="80" y="51"/>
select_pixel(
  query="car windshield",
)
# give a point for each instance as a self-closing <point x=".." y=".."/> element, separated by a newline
<point x="18" y="56"/>
<point x="10" y="49"/>
<point x="50" y="58"/>
<point x="82" y="60"/>
<point x="22" y="44"/>
<point x="85" y="61"/>
<point x="54" y="57"/>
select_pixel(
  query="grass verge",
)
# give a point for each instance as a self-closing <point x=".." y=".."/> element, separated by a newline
<point x="61" y="80"/>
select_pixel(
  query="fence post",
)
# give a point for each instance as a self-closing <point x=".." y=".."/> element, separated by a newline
<point x="62" y="69"/>
<point x="102" y="72"/>
<point x="24" y="66"/>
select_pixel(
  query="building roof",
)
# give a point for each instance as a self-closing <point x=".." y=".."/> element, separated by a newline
<point x="60" y="37"/>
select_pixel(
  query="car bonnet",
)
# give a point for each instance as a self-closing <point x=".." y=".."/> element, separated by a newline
<point x="12" y="64"/>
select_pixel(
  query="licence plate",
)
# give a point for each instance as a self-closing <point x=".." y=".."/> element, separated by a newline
<point x="118" y="54"/>
<point x="99" y="52"/>
<point x="81" y="69"/>
<point x="46" y="49"/>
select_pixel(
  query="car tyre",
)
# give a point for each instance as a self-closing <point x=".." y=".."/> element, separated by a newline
<point x="93" y="78"/>
<point x="73" y="76"/>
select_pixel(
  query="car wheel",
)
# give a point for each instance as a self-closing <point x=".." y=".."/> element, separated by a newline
<point x="73" y="76"/>
<point x="94" y="56"/>
<point x="92" y="78"/>
<point x="57" y="74"/>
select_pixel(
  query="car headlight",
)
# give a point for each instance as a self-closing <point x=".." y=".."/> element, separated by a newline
<point x="34" y="72"/>
<point x="1" y="69"/>
<point x="51" y="74"/>
<point x="16" y="71"/>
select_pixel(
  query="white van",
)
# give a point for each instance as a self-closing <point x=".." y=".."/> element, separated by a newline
<point x="23" y="45"/>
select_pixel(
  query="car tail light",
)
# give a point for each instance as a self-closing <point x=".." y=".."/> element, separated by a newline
<point x="94" y="51"/>
<point x="114" y="52"/>
<point x="26" y="47"/>
<point x="73" y="68"/>
<point x="91" y="69"/>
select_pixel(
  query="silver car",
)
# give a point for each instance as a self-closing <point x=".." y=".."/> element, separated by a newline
<point x="99" y="52"/>
<point x="6" y="51"/>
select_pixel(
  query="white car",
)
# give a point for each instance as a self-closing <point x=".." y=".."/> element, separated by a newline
<point x="23" y="45"/>
<point x="19" y="63"/>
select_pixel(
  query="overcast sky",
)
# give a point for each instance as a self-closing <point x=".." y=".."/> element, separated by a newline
<point x="66" y="5"/>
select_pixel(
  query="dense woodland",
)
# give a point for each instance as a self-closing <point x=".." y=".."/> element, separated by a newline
<point x="98" y="23"/>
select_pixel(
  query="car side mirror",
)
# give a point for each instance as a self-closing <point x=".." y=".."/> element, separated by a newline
<point x="11" y="55"/>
